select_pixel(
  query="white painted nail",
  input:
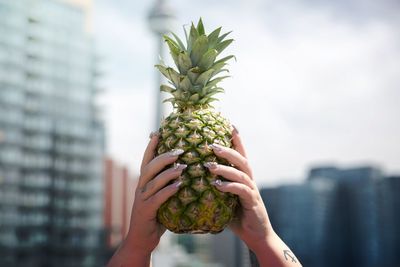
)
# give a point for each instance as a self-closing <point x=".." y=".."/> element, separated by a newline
<point x="153" y="134"/>
<point x="179" y="166"/>
<point x="217" y="182"/>
<point x="210" y="165"/>
<point x="178" y="184"/>
<point x="175" y="152"/>
<point x="216" y="147"/>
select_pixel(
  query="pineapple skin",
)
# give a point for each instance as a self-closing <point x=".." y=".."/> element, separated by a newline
<point x="198" y="207"/>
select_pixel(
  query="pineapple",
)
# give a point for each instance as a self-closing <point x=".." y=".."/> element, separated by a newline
<point x="198" y="207"/>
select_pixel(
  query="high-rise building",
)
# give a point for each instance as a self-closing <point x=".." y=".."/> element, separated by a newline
<point x="119" y="193"/>
<point x="339" y="217"/>
<point x="51" y="148"/>
<point x="355" y="212"/>
<point x="300" y="216"/>
<point x="388" y="207"/>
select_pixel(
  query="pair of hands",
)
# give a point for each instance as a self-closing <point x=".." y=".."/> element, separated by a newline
<point x="251" y="223"/>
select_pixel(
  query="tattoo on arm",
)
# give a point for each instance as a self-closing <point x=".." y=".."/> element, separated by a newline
<point x="289" y="255"/>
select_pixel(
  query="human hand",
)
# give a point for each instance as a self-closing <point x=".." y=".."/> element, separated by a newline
<point x="144" y="231"/>
<point x="251" y="223"/>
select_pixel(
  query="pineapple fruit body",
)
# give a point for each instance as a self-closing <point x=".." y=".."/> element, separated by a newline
<point x="198" y="207"/>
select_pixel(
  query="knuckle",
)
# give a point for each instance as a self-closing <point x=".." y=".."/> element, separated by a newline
<point x="243" y="177"/>
<point x="247" y="190"/>
<point x="246" y="163"/>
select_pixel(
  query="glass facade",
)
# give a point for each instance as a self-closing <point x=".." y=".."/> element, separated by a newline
<point x="52" y="147"/>
<point x="339" y="217"/>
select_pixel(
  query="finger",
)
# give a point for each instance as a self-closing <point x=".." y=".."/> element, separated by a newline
<point x="150" y="150"/>
<point x="157" y="164"/>
<point x="229" y="173"/>
<point x="237" y="142"/>
<point x="233" y="156"/>
<point x="161" y="196"/>
<point x="162" y="179"/>
<point x="244" y="192"/>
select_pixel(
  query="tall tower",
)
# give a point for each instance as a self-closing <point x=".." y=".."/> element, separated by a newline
<point x="51" y="148"/>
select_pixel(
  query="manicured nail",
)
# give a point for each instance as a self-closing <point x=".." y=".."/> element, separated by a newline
<point x="153" y="134"/>
<point x="210" y="165"/>
<point x="235" y="129"/>
<point x="175" y="152"/>
<point x="178" y="184"/>
<point x="179" y="166"/>
<point x="216" y="147"/>
<point x="217" y="182"/>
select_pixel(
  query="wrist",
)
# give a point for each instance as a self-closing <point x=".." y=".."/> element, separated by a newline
<point x="263" y="244"/>
<point x="132" y="247"/>
<point x="130" y="255"/>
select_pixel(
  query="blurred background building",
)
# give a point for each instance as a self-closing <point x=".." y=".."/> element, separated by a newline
<point x="339" y="217"/>
<point x="51" y="152"/>
<point x="119" y="193"/>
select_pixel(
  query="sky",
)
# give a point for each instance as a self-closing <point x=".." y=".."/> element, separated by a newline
<point x="315" y="82"/>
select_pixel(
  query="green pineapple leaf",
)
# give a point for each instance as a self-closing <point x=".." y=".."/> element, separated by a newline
<point x="194" y="97"/>
<point x="185" y="84"/>
<point x="221" y="46"/>
<point x="213" y="37"/>
<point x="214" y="82"/>
<point x="205" y="77"/>
<point x="193" y="35"/>
<point x="184" y="62"/>
<point x="219" y="71"/>
<point x="200" y="27"/>
<point x="179" y="41"/>
<point x="223" y="60"/>
<point x="215" y="91"/>
<point x="166" y="88"/>
<point x="193" y="74"/>
<point x="208" y="59"/>
<point x="200" y="46"/>
<point x="222" y="37"/>
<point x="171" y="99"/>
<point x="170" y="74"/>
<point x="196" y="78"/>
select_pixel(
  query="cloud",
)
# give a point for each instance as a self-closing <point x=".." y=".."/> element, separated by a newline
<point x="308" y="86"/>
<point x="126" y="45"/>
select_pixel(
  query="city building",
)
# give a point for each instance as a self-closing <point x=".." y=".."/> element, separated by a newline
<point x="339" y="217"/>
<point x="300" y="214"/>
<point x="51" y="149"/>
<point x="355" y="212"/>
<point x="119" y="194"/>
<point x="388" y="207"/>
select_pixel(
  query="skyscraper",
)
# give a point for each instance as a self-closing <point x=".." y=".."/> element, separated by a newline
<point x="119" y="194"/>
<point x="388" y="207"/>
<point x="52" y="146"/>
<point x="300" y="215"/>
<point x="339" y="217"/>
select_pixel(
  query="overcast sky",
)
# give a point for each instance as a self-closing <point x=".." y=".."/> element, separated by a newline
<point x="315" y="82"/>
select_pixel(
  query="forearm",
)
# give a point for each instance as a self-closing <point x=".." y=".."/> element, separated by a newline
<point x="274" y="252"/>
<point x="126" y="256"/>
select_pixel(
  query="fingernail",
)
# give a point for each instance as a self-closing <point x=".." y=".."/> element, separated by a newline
<point x="153" y="134"/>
<point x="210" y="165"/>
<point x="217" y="182"/>
<point x="216" y="147"/>
<point x="175" y="152"/>
<point x="235" y="129"/>
<point x="178" y="184"/>
<point x="179" y="166"/>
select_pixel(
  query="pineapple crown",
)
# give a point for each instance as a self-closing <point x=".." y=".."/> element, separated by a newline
<point x="195" y="83"/>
